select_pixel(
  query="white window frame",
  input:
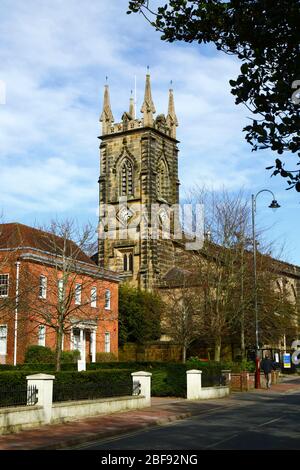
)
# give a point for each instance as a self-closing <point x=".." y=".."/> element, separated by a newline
<point x="7" y="277"/>
<point x="43" y="287"/>
<point x="107" y="342"/>
<point x="78" y="291"/>
<point x="94" y="297"/>
<point x="42" y="335"/>
<point x="107" y="299"/>
<point x="76" y="342"/>
<point x="4" y="351"/>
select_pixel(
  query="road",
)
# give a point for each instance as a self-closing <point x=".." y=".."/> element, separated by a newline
<point x="246" y="422"/>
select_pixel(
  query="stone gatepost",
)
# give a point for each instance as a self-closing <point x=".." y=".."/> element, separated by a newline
<point x="145" y="380"/>
<point x="44" y="385"/>
<point x="193" y="384"/>
<point x="227" y="375"/>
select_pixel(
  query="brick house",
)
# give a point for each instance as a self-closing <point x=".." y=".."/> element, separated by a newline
<point x="44" y="278"/>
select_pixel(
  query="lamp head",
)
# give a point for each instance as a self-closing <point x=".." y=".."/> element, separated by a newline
<point x="274" y="205"/>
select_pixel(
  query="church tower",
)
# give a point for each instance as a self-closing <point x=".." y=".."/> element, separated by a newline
<point x="138" y="183"/>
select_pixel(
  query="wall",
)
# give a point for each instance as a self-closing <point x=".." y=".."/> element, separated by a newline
<point x="67" y="411"/>
<point x="107" y="320"/>
<point x="14" y="419"/>
<point x="156" y="351"/>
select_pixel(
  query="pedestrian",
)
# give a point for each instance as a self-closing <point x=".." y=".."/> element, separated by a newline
<point x="267" y="366"/>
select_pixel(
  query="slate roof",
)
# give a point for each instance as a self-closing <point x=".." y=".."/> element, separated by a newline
<point x="19" y="236"/>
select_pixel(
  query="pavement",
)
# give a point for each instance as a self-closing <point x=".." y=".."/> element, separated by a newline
<point x="102" y="427"/>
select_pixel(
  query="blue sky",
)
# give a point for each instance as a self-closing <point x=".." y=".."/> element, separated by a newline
<point x="55" y="56"/>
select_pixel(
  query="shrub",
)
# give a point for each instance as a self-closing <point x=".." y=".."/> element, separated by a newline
<point x="139" y="315"/>
<point x="91" y="376"/>
<point x="13" y="378"/>
<point x="105" y="357"/>
<point x="39" y="354"/>
<point x="68" y="357"/>
<point x="215" y="368"/>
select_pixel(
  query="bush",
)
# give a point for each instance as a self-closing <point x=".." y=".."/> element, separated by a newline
<point x="168" y="379"/>
<point x="139" y="315"/>
<point x="13" y="378"/>
<point x="105" y="357"/>
<point x="215" y="368"/>
<point x="68" y="357"/>
<point x="36" y="353"/>
<point x="91" y="376"/>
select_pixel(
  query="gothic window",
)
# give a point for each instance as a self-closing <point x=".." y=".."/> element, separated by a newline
<point x="126" y="178"/>
<point x="128" y="262"/>
<point x="162" y="182"/>
<point x="125" y="263"/>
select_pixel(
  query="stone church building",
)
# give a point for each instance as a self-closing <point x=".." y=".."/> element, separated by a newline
<point x="139" y="231"/>
<point x="138" y="175"/>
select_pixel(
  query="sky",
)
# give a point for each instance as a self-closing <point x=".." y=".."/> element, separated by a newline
<point x="55" y="57"/>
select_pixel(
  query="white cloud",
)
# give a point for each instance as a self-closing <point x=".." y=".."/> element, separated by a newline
<point x="54" y="59"/>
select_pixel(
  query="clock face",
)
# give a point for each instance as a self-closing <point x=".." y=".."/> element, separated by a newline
<point x="124" y="215"/>
<point x="164" y="216"/>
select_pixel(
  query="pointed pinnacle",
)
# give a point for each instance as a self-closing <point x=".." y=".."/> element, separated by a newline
<point x="107" y="115"/>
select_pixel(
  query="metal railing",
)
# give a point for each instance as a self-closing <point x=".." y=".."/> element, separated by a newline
<point x="91" y="391"/>
<point x="213" y="380"/>
<point x="11" y="395"/>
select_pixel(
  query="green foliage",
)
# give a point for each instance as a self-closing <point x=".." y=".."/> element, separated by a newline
<point x="37" y="367"/>
<point x="264" y="36"/>
<point x="98" y="376"/>
<point x="169" y="382"/>
<point x="139" y="315"/>
<point x="37" y="353"/>
<point x="13" y="378"/>
<point x="70" y="356"/>
<point x="215" y="368"/>
<point x="105" y="357"/>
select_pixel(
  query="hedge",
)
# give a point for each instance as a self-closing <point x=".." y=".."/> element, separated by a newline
<point x="69" y="378"/>
<point x="38" y="367"/>
<point x="168" y="379"/>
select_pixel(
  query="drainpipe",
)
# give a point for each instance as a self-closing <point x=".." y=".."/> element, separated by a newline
<point x="16" y="311"/>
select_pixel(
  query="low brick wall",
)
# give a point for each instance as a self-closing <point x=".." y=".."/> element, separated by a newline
<point x="245" y="381"/>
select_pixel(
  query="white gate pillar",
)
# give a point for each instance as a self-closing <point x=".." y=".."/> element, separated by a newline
<point x="44" y="385"/>
<point x="145" y="380"/>
<point x="193" y="384"/>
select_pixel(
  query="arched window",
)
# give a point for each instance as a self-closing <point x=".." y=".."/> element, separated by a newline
<point x="130" y="262"/>
<point x="125" y="264"/>
<point x="126" y="183"/>
<point x="162" y="179"/>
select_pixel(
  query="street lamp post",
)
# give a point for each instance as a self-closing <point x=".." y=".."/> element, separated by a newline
<point x="274" y="205"/>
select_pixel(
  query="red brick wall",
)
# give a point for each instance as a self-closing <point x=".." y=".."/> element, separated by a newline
<point x="30" y="306"/>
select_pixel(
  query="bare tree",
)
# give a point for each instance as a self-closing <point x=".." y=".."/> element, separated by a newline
<point x="69" y="281"/>
<point x="182" y="320"/>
